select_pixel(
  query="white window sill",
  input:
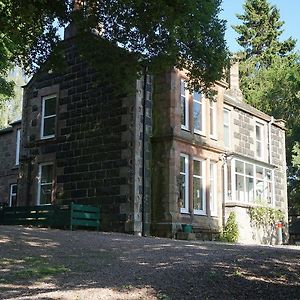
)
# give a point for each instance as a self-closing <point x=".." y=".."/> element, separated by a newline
<point x="47" y="137"/>
<point x="199" y="133"/>
<point x="185" y="128"/>
<point x="199" y="213"/>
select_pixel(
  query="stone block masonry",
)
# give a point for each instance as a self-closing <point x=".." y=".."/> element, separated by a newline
<point x="97" y="140"/>
<point x="9" y="169"/>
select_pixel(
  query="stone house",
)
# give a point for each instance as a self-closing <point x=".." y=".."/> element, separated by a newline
<point x="10" y="161"/>
<point x="211" y="156"/>
<point x="153" y="159"/>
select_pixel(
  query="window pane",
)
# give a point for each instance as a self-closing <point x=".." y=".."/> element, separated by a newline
<point x="198" y="192"/>
<point x="239" y="167"/>
<point x="183" y="111"/>
<point x="226" y="136"/>
<point x="49" y="126"/>
<point x="197" y="112"/>
<point x="258" y="149"/>
<point x="197" y="168"/>
<point x="226" y="117"/>
<point x="239" y="179"/>
<point x="182" y="87"/>
<point x="50" y="107"/>
<point x="46" y="191"/>
<point x="259" y="172"/>
<point x="14" y="189"/>
<point x="197" y="96"/>
<point x="213" y="188"/>
<point x="226" y="127"/>
<point x="47" y="174"/>
<point x="249" y="189"/>
<point x="211" y="117"/>
<point x="258" y="132"/>
<point x="268" y="174"/>
<point x="259" y="189"/>
<point x="249" y="170"/>
<point x="269" y="192"/>
<point x="182" y="164"/>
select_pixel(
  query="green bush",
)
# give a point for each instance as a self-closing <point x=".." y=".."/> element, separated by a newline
<point x="230" y="233"/>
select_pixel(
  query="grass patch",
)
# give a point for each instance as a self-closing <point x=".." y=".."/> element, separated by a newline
<point x="29" y="267"/>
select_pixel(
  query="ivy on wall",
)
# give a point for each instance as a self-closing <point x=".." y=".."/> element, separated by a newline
<point x="263" y="216"/>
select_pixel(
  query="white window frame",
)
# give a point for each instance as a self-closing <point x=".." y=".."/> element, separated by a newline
<point x="213" y="118"/>
<point x="44" y="99"/>
<point x="254" y="165"/>
<point x="11" y="194"/>
<point x="38" y="202"/>
<point x="202" y="176"/>
<point x="228" y="126"/>
<point x="203" y="119"/>
<point x="186" y="124"/>
<point x="185" y="209"/>
<point x="18" y="142"/>
<point x="213" y="181"/>
<point x="261" y="125"/>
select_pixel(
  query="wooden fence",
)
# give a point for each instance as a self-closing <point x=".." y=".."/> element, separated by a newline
<point x="52" y="216"/>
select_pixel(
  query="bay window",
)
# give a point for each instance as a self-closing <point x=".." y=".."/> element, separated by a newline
<point x="251" y="182"/>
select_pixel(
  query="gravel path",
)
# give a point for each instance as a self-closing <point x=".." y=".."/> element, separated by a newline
<point x="54" y="264"/>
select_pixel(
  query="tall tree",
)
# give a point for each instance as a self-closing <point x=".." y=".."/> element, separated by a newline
<point x="259" y="33"/>
<point x="270" y="75"/>
<point x="187" y="34"/>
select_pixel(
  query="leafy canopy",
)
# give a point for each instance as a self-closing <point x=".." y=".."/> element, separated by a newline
<point x="259" y="33"/>
<point x="161" y="34"/>
<point x="270" y="76"/>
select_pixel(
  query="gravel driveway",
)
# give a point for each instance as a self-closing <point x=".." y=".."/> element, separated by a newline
<point x="55" y="264"/>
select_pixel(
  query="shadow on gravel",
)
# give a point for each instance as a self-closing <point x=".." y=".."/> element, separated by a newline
<point x="36" y="262"/>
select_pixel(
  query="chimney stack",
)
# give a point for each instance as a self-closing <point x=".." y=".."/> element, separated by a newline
<point x="70" y="30"/>
<point x="234" y="81"/>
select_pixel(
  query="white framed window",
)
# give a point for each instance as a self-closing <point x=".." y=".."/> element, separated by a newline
<point x="184" y="183"/>
<point x="45" y="184"/>
<point x="199" y="199"/>
<point x="13" y="194"/>
<point x="251" y="182"/>
<point x="213" y="118"/>
<point x="184" y="102"/>
<point x="259" y="137"/>
<point x="18" y="142"/>
<point x="48" y="120"/>
<point x="198" y="113"/>
<point x="213" y="188"/>
<point x="226" y="127"/>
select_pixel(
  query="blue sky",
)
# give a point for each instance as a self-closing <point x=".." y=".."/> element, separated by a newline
<point x="289" y="13"/>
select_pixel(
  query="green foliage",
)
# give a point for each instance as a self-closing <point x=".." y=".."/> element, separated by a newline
<point x="270" y="75"/>
<point x="262" y="216"/>
<point x="260" y="32"/>
<point x="161" y="34"/>
<point x="30" y="267"/>
<point x="230" y="233"/>
<point x="294" y="179"/>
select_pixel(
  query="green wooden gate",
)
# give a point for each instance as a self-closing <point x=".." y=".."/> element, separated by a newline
<point x="52" y="216"/>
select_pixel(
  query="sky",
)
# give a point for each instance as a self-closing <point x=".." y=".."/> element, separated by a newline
<point x="289" y="13"/>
